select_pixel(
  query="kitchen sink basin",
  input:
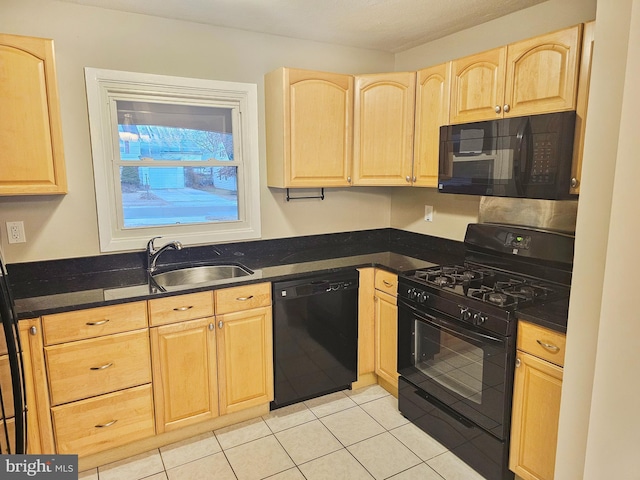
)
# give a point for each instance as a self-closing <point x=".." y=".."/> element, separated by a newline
<point x="200" y="275"/>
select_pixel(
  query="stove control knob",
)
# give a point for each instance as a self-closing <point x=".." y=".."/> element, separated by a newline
<point x="479" y="319"/>
<point x="465" y="313"/>
<point x="413" y="293"/>
<point x="423" y="297"/>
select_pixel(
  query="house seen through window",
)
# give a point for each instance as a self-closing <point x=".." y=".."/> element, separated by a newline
<point x="157" y="142"/>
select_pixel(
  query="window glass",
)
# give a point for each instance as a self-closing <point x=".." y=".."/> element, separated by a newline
<point x="154" y="134"/>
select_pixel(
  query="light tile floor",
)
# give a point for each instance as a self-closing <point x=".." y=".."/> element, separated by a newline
<point x="349" y="435"/>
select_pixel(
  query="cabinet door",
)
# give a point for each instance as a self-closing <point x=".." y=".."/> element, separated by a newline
<point x="542" y="73"/>
<point x="477" y="86"/>
<point x="582" y="104"/>
<point x="309" y="128"/>
<point x="245" y="359"/>
<point x="432" y="111"/>
<point x="184" y="373"/>
<point x="32" y="160"/>
<point x="383" y="128"/>
<point x="386" y="322"/>
<point x="40" y="429"/>
<point x="536" y="410"/>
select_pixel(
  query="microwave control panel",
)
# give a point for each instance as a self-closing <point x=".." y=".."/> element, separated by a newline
<point x="543" y="164"/>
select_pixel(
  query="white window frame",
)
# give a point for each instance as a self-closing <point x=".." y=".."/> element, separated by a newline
<point x="103" y="87"/>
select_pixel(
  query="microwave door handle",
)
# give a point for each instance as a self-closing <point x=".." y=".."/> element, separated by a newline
<point x="521" y="160"/>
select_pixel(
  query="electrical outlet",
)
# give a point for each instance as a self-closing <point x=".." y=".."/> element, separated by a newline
<point x="15" y="232"/>
<point x="428" y="213"/>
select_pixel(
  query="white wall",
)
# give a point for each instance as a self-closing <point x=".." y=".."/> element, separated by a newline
<point x="452" y="213"/>
<point x="66" y="226"/>
<point x="599" y="422"/>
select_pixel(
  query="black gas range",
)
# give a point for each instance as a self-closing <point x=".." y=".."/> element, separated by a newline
<point x="457" y="337"/>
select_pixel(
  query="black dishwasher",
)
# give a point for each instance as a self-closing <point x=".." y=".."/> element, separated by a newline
<point x="315" y="336"/>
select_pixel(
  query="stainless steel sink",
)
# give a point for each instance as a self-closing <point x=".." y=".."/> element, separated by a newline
<point x="200" y="275"/>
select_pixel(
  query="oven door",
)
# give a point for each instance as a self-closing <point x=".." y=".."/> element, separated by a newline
<point x="467" y="370"/>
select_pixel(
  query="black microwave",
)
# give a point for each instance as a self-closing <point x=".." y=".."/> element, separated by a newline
<point x="527" y="157"/>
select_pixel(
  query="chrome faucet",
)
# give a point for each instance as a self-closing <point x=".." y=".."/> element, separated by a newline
<point x="153" y="253"/>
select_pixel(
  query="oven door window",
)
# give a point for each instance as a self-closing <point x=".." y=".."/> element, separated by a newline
<point x="462" y="368"/>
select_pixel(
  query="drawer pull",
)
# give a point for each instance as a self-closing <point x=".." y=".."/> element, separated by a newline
<point x="102" y="367"/>
<point x="183" y="309"/>
<point x="105" y="425"/>
<point x="244" y="299"/>
<point x="387" y="284"/>
<point x="548" y="346"/>
<point x="100" y="322"/>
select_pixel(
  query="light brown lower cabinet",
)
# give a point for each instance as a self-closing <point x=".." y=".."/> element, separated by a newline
<point x="111" y="381"/>
<point x="185" y="379"/>
<point x="386" y="330"/>
<point x="536" y="403"/>
<point x="386" y="338"/>
<point x="245" y="359"/>
<point x="211" y="366"/>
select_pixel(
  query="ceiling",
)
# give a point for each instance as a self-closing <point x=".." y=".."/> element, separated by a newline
<point x="386" y="25"/>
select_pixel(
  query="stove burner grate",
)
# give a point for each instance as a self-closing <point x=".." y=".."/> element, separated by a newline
<point x="502" y="289"/>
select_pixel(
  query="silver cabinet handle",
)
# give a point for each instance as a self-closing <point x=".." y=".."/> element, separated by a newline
<point x="497" y="109"/>
<point x="408" y="178"/>
<point x="244" y="299"/>
<point x="414" y="179"/>
<point x="211" y="327"/>
<point x="517" y="362"/>
<point x="548" y="346"/>
<point x="183" y="309"/>
<point x="105" y="425"/>
<point x="506" y="108"/>
<point x="99" y="322"/>
<point x="220" y="324"/>
<point x="348" y="179"/>
<point x="33" y="331"/>
<point x="387" y="284"/>
<point x="574" y="182"/>
<point x="102" y="367"/>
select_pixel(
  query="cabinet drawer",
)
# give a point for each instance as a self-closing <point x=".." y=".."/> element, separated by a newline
<point x="541" y="342"/>
<point x="104" y="422"/>
<point x="93" y="322"/>
<point x="93" y="367"/>
<point x="180" y="308"/>
<point x="386" y="282"/>
<point x="244" y="297"/>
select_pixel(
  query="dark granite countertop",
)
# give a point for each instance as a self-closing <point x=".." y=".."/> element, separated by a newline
<point x="552" y="315"/>
<point x="77" y="298"/>
<point x="56" y="286"/>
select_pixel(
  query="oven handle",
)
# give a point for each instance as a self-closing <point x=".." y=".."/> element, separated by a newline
<point x="450" y="326"/>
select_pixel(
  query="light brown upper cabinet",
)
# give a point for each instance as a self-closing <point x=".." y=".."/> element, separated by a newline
<point x="432" y="112"/>
<point x="31" y="152"/>
<point x="582" y="104"/>
<point x="538" y="75"/>
<point x="384" y="109"/>
<point x="309" y="128"/>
